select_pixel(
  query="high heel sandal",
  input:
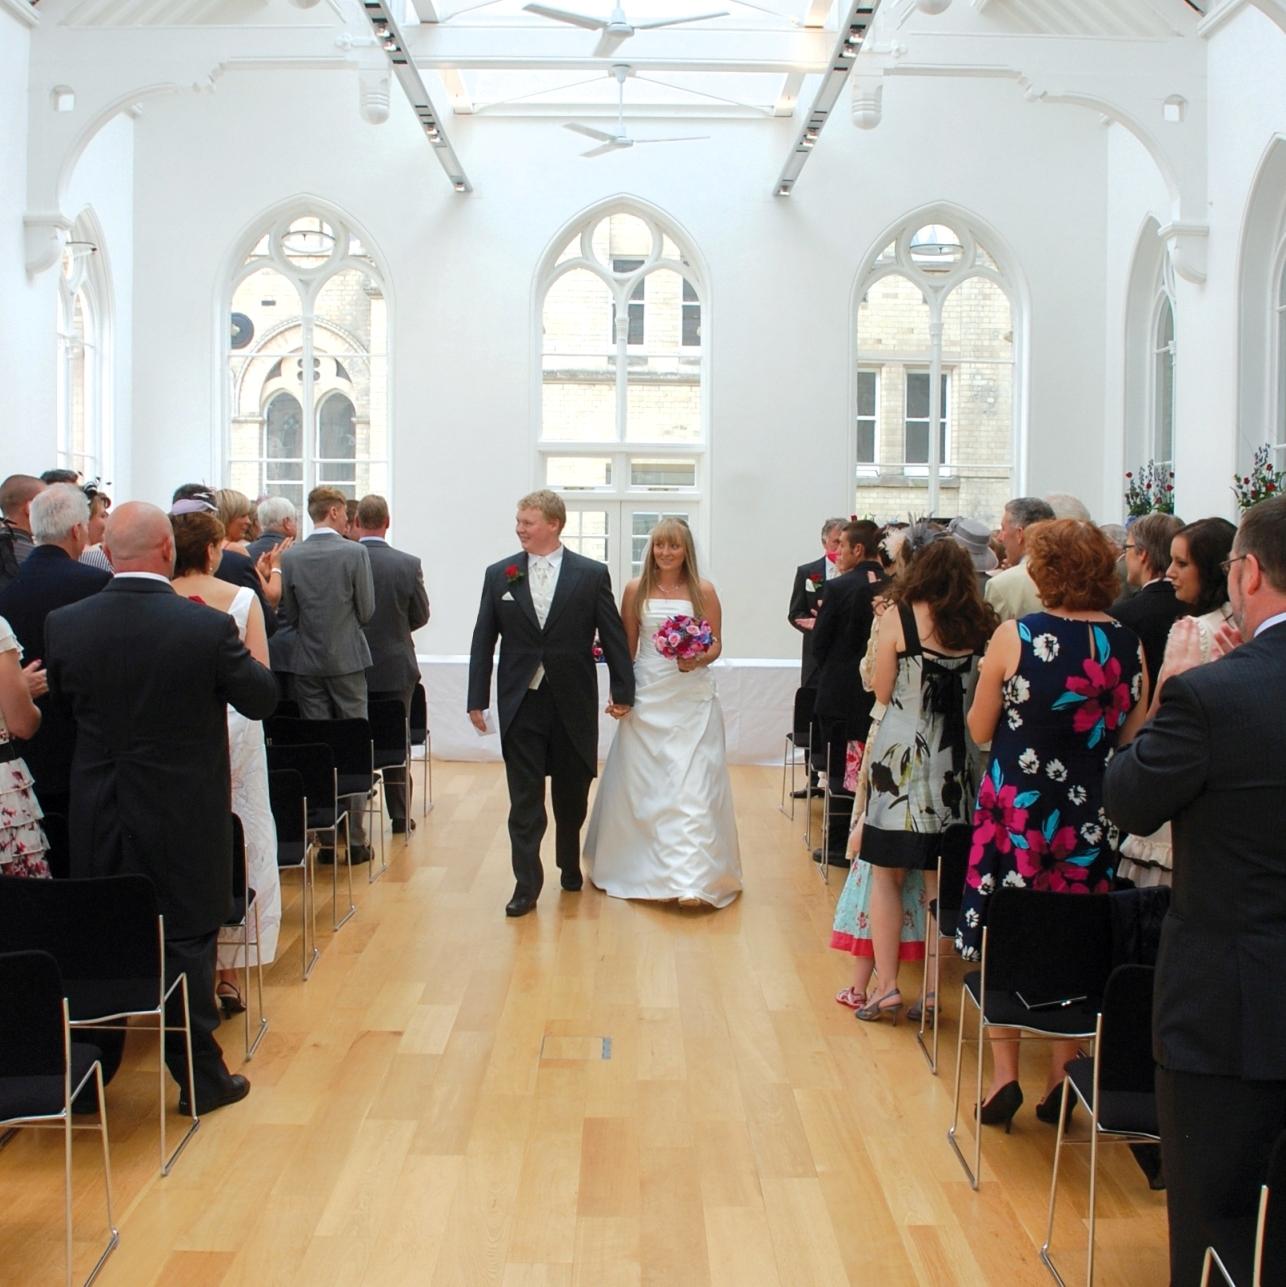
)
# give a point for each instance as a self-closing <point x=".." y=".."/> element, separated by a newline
<point x="926" y="1008"/>
<point x="853" y="998"/>
<point x="999" y="1110"/>
<point x="1047" y="1109"/>
<point x="228" y="995"/>
<point x="877" y="1010"/>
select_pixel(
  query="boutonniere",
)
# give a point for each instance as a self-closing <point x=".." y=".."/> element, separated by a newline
<point x="513" y="574"/>
<point x="810" y="586"/>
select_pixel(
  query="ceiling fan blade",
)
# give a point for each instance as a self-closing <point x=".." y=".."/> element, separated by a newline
<point x="680" y="138"/>
<point x="565" y="15"/>
<point x="606" y="147"/>
<point x="590" y="132"/>
<point x="608" y="43"/>
<point x="674" y="22"/>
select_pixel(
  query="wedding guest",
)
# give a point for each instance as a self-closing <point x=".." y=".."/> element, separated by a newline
<point x="805" y="599"/>
<point x="51" y="476"/>
<point x="236" y="514"/>
<point x="1058" y="689"/>
<point x="16" y="543"/>
<point x="1012" y="592"/>
<point x="843" y="706"/>
<point x="51" y="578"/>
<point x="147" y="676"/>
<point x="1065" y="505"/>
<point x="198" y="547"/>
<point x="277" y="523"/>
<point x="975" y="536"/>
<point x="99" y="503"/>
<point x="350" y="516"/>
<point x="921" y="770"/>
<point x="1153" y="608"/>
<point x="1212" y="759"/>
<point x="401" y="608"/>
<point x="22" y="839"/>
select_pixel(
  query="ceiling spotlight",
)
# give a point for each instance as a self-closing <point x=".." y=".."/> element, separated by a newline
<point x="459" y="185"/>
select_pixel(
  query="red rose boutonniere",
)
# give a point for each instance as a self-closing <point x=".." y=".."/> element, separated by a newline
<point x="513" y="574"/>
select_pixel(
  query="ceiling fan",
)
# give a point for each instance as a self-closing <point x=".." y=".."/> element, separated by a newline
<point x="616" y="28"/>
<point x="614" y="142"/>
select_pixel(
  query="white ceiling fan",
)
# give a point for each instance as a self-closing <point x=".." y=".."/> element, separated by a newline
<point x="614" y="142"/>
<point x="616" y="28"/>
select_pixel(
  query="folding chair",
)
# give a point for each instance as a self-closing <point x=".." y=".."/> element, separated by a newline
<point x="315" y="764"/>
<point x="108" y="936"/>
<point x="42" y="1070"/>
<point x="1255" y="1246"/>
<point x="245" y="905"/>
<point x="391" y="743"/>
<point x="799" y="738"/>
<point x="940" y="924"/>
<point x="1052" y="950"/>
<point x="290" y="813"/>
<point x="350" y="743"/>
<point x="418" y="721"/>
<point x="1116" y="1087"/>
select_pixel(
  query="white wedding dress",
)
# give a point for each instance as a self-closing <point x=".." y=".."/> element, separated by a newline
<point x="663" y="825"/>
<point x="250" y="803"/>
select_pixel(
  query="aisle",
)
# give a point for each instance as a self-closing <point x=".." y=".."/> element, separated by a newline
<point x="599" y="1093"/>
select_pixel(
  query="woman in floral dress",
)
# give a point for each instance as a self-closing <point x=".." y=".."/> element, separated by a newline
<point x="22" y="839"/>
<point x="1058" y="691"/>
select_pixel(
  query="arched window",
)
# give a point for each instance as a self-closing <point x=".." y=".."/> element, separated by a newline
<point x="1279" y="318"/>
<point x="934" y="407"/>
<point x="622" y="417"/>
<point x="83" y="398"/>
<point x="307" y="364"/>
<point x="1162" y="446"/>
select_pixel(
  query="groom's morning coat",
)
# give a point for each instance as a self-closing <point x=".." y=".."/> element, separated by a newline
<point x="582" y="605"/>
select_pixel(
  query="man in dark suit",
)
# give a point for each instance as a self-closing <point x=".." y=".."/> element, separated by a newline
<point x="544" y="605"/>
<point x="1212" y="761"/>
<point x="839" y="637"/>
<point x="147" y="675"/>
<point x="51" y="577"/>
<point x="279" y="526"/>
<point x="805" y="601"/>
<point x="328" y="595"/>
<point x="1152" y="609"/>
<point x="16" y="543"/>
<point x="401" y="608"/>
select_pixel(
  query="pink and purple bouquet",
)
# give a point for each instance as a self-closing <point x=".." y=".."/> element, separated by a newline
<point x="682" y="637"/>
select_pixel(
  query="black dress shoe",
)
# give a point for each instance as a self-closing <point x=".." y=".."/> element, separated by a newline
<point x="573" y="884"/>
<point x="234" y="1089"/>
<point x="833" y="860"/>
<point x="805" y="793"/>
<point x="358" y="854"/>
<point x="402" y="825"/>
<point x="520" y="905"/>
<point x="326" y="857"/>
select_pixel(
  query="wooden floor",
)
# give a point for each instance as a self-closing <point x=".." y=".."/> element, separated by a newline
<point x="435" y="1106"/>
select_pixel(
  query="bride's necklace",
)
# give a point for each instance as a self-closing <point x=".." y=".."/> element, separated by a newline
<point x="669" y="589"/>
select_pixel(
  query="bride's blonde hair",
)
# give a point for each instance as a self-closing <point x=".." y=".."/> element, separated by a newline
<point x="672" y="531"/>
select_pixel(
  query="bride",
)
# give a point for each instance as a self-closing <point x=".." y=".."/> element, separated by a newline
<point x="663" y="825"/>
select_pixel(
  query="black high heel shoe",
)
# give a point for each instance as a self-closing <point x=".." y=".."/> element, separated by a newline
<point x="228" y="995"/>
<point x="1047" y="1109"/>
<point x="999" y="1110"/>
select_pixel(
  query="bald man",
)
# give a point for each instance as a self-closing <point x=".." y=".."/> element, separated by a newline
<point x="147" y="675"/>
<point x="16" y="542"/>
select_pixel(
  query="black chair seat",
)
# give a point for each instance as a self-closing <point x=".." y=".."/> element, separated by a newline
<point x="1129" y="1112"/>
<point x="42" y="1095"/>
<point x="322" y="818"/>
<point x="355" y="783"/>
<point x="290" y="853"/>
<point x="1234" y="1239"/>
<point x="1007" y="1011"/>
<point x="238" y="913"/>
<point x="91" y="998"/>
<point x="389" y="759"/>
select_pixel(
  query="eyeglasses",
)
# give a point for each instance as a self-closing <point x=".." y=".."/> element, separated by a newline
<point x="1226" y="565"/>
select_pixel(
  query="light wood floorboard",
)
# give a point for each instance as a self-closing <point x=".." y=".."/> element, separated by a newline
<point x="433" y="1107"/>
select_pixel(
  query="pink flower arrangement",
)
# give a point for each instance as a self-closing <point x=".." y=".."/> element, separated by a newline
<point x="682" y="637"/>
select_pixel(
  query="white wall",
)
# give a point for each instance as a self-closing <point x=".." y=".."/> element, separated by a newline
<point x="781" y="276"/>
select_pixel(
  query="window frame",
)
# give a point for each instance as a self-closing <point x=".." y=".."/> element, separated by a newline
<point x="1160" y="355"/>
<point x="89" y="282"/>
<point x="868" y="468"/>
<point x="920" y="468"/>
<point x="1277" y="351"/>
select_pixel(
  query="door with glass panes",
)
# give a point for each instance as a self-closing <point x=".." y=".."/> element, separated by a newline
<point x="616" y="532"/>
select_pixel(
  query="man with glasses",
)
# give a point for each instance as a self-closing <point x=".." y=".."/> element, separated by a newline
<point x="1212" y="761"/>
<point x="1153" y="608"/>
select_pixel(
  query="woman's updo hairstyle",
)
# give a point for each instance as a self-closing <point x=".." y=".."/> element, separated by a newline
<point x="194" y="534"/>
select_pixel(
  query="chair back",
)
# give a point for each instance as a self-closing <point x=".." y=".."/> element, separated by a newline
<point x="387" y="718"/>
<point x="314" y="763"/>
<point x="102" y="931"/>
<point x="31" y="1016"/>
<point x="348" y="739"/>
<point x="953" y="865"/>
<point x="1125" y="1051"/>
<point x="240" y="876"/>
<point x="289" y="805"/>
<point x="1049" y="945"/>
<point x="802" y="715"/>
<point x="419" y="716"/>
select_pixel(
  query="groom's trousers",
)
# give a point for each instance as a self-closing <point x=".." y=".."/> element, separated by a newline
<point x="537" y="746"/>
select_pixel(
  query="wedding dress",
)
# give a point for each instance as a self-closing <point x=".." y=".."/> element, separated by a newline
<point x="663" y="824"/>
<point x="250" y="803"/>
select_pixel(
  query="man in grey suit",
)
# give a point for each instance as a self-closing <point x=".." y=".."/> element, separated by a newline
<point x="328" y="594"/>
<point x="401" y="607"/>
<point x="1212" y="761"/>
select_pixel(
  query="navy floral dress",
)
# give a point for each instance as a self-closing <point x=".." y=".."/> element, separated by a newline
<point x="1039" y="823"/>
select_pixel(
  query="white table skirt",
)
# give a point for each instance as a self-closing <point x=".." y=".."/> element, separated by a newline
<point x="756" y="694"/>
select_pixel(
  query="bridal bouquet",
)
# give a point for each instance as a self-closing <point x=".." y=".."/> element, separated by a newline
<point x="682" y="637"/>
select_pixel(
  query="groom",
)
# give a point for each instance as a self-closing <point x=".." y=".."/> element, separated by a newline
<point x="546" y="605"/>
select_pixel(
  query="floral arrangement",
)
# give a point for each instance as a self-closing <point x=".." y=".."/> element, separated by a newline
<point x="596" y="650"/>
<point x="1262" y="482"/>
<point x="682" y="637"/>
<point x="1152" y="492"/>
<point x="513" y="574"/>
